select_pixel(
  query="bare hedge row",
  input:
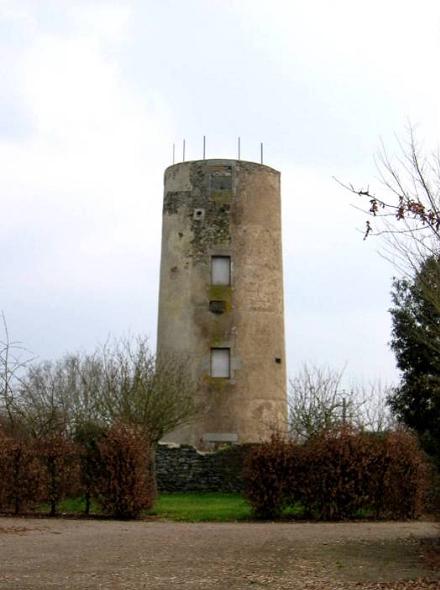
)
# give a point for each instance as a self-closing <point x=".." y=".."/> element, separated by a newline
<point x="111" y="466"/>
<point x="338" y="474"/>
<point x="335" y="475"/>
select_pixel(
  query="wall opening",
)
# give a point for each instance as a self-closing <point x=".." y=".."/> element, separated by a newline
<point x="217" y="307"/>
<point x="221" y="362"/>
<point x="221" y="183"/>
<point x="199" y="214"/>
<point x="221" y="180"/>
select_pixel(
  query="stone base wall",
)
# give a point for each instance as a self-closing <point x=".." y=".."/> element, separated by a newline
<point x="182" y="468"/>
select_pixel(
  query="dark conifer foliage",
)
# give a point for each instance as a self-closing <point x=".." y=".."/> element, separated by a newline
<point x="416" y="344"/>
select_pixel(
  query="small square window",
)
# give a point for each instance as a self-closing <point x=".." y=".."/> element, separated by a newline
<point x="217" y="307"/>
<point x="221" y="362"/>
<point x="221" y="182"/>
<point x="221" y="270"/>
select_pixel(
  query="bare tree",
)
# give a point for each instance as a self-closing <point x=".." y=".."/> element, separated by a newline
<point x="405" y="214"/>
<point x="43" y="399"/>
<point x="373" y="411"/>
<point x="121" y="381"/>
<point x="316" y="402"/>
<point x="406" y="210"/>
<point x="14" y="359"/>
<point x="156" y="394"/>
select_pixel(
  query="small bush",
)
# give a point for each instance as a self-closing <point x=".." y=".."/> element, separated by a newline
<point x="125" y="484"/>
<point x="20" y="475"/>
<point x="337" y="467"/>
<point x="433" y="490"/>
<point x="268" y="475"/>
<point x="405" y="478"/>
<point x="58" y="459"/>
<point x="87" y="437"/>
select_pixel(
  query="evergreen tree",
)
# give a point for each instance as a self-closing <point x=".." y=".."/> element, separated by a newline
<point x="416" y="344"/>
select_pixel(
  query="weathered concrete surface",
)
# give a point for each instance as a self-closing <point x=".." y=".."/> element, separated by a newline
<point x="77" y="555"/>
<point x="226" y="208"/>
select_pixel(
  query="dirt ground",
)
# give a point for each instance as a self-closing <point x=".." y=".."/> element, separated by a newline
<point x="81" y="554"/>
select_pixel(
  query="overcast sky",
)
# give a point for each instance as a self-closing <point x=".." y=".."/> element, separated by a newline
<point x="93" y="95"/>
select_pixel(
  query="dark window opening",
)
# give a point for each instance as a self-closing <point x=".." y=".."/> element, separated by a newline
<point x="221" y="182"/>
<point x="218" y="307"/>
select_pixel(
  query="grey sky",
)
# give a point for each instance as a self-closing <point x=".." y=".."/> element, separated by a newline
<point x="92" y="96"/>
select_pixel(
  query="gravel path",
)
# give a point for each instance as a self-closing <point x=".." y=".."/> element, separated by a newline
<point x="81" y="554"/>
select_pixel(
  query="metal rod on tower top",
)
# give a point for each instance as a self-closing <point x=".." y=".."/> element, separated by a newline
<point x="174" y="153"/>
<point x="239" y="150"/>
<point x="261" y="152"/>
<point x="183" y="150"/>
<point x="204" y="147"/>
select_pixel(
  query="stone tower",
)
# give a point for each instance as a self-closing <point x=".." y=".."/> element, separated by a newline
<point x="221" y="296"/>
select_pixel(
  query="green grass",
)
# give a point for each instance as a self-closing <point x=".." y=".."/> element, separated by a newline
<point x="199" y="507"/>
<point x="71" y="506"/>
<point x="189" y="507"/>
<point x="194" y="507"/>
<point x="292" y="512"/>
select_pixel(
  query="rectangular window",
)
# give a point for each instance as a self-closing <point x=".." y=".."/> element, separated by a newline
<point x="221" y="182"/>
<point x="221" y="362"/>
<point x="221" y="270"/>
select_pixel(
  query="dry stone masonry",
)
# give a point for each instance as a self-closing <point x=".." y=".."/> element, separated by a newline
<point x="181" y="468"/>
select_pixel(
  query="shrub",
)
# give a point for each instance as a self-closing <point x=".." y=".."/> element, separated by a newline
<point x="87" y="437"/>
<point x="337" y="467"/>
<point x="405" y="478"/>
<point x="348" y="471"/>
<point x="338" y="473"/>
<point x="432" y="500"/>
<point x="58" y="459"/>
<point x="20" y="475"/>
<point x="268" y="474"/>
<point x="125" y="483"/>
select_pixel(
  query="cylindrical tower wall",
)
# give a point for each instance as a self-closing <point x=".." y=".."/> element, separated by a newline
<point x="221" y="296"/>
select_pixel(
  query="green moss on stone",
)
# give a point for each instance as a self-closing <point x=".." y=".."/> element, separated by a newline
<point x="217" y="383"/>
<point x="221" y="197"/>
<point x="221" y="293"/>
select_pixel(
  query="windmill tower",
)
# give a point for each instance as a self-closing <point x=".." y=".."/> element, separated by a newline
<point x="221" y="296"/>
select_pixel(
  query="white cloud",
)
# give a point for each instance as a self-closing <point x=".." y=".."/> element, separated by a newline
<point x="83" y="191"/>
<point x="94" y="91"/>
<point x="106" y="21"/>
